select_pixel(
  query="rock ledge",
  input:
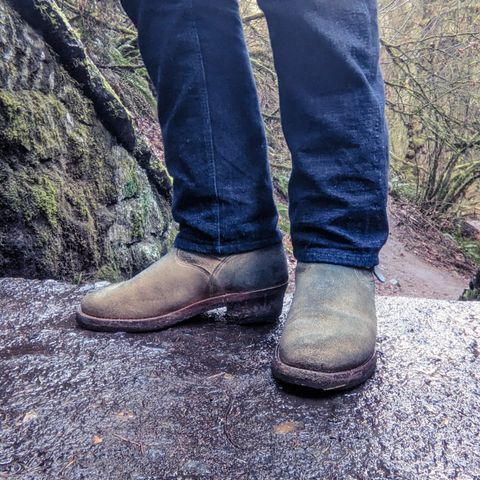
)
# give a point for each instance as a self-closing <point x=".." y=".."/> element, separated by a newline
<point x="198" y="401"/>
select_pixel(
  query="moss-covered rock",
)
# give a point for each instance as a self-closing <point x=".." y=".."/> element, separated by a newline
<point x="473" y="292"/>
<point x="74" y="202"/>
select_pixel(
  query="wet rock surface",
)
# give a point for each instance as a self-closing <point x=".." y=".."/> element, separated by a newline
<point x="198" y="401"/>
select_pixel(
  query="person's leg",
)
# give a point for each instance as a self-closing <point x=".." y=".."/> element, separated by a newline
<point x="215" y="146"/>
<point x="332" y="102"/>
<point x="228" y="251"/>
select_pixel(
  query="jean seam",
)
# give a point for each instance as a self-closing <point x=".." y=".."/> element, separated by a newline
<point x="371" y="68"/>
<point x="359" y="259"/>
<point x="333" y="253"/>
<point x="207" y="113"/>
<point x="230" y="248"/>
<point x="188" y="239"/>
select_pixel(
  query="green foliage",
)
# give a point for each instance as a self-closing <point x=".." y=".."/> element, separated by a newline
<point x="284" y="223"/>
<point x="403" y="188"/>
<point x="470" y="247"/>
<point x="126" y="63"/>
<point x="109" y="272"/>
<point x="473" y="292"/>
<point x="281" y="177"/>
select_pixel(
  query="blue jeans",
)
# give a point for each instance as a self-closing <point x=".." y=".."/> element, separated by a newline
<point x="332" y="106"/>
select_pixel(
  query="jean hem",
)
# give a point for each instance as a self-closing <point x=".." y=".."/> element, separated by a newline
<point x="338" y="257"/>
<point x="227" y="248"/>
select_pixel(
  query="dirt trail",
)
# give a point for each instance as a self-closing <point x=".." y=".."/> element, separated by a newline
<point x="419" y="261"/>
<point x="408" y="275"/>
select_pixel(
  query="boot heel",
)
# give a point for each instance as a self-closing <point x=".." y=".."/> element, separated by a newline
<point x="264" y="309"/>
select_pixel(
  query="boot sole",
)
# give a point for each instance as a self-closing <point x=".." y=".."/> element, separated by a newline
<point x="342" y="380"/>
<point x="259" y="306"/>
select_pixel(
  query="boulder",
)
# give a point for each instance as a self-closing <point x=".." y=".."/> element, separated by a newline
<point x="198" y="401"/>
<point x="82" y="196"/>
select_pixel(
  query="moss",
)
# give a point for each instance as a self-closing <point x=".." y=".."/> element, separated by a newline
<point x="79" y="203"/>
<point x="20" y="111"/>
<point x="131" y="186"/>
<point x="45" y="198"/>
<point x="82" y="108"/>
<point x="138" y="226"/>
<point x="96" y="77"/>
<point x="12" y="122"/>
<point x="47" y="247"/>
<point x="139" y="217"/>
<point x="109" y="272"/>
<point x="146" y="206"/>
<point x="26" y="195"/>
<point x="56" y="19"/>
<point x="11" y="197"/>
<point x="62" y="187"/>
<point x="43" y="237"/>
<point x="471" y="295"/>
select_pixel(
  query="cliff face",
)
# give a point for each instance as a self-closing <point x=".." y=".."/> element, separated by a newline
<point x="76" y="200"/>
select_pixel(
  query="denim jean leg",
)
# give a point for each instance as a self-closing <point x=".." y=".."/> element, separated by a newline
<point x="215" y="147"/>
<point x="332" y="102"/>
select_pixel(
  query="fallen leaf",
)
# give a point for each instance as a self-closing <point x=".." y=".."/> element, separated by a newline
<point x="96" y="440"/>
<point x="31" y="415"/>
<point x="125" y="415"/>
<point x="286" y="427"/>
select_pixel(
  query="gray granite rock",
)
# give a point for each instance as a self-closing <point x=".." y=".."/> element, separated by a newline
<point x="198" y="401"/>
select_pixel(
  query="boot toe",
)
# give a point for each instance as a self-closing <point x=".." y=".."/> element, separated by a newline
<point x="323" y="354"/>
<point x="100" y="303"/>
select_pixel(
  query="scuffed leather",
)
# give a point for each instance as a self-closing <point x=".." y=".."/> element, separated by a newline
<point x="332" y="322"/>
<point x="182" y="278"/>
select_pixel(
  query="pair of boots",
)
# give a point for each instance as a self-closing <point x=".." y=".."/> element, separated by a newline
<point x="328" y="341"/>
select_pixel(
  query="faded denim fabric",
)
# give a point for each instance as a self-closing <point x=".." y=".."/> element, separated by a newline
<point x="332" y="104"/>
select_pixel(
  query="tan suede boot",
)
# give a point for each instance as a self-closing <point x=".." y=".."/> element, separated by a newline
<point x="183" y="284"/>
<point x="328" y="341"/>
